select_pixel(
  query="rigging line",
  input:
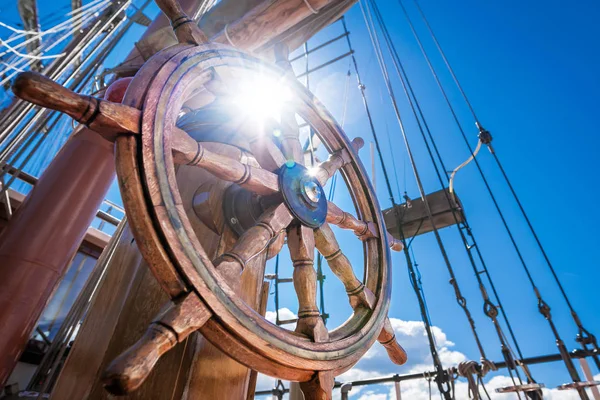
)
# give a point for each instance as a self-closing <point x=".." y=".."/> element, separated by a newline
<point x="19" y="58"/>
<point x="55" y="29"/>
<point x="310" y="130"/>
<point x="408" y="88"/>
<point x="560" y="286"/>
<point x="442" y="375"/>
<point x="28" y="56"/>
<point x="542" y="305"/>
<point x="389" y="138"/>
<point x="420" y="287"/>
<point x="80" y="82"/>
<point x="277" y="289"/>
<point x="464" y="164"/>
<point x="489" y="307"/>
<point x="584" y="336"/>
<point x="54" y="44"/>
<point x="590" y="337"/>
<point x="459" y="125"/>
<point x="465" y="224"/>
<point x="55" y="70"/>
<point x="461" y="300"/>
<point x="439" y="47"/>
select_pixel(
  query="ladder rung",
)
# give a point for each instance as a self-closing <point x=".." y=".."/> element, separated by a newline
<point x="285" y="280"/>
<point x="577" y="385"/>
<point x="529" y="387"/>
<point x="291" y="321"/>
<point x="287" y="321"/>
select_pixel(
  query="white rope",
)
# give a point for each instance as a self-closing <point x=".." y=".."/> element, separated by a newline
<point x="8" y="66"/>
<point x="64" y="25"/>
<point x="312" y="10"/>
<point x="57" y="28"/>
<point x="28" y="56"/>
<point x="227" y="35"/>
<point x="83" y="7"/>
<point x="451" y="183"/>
<point x="22" y="62"/>
<point x="15" y="30"/>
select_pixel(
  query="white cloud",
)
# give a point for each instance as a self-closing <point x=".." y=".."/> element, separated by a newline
<point x="413" y="337"/>
<point x="284" y="313"/>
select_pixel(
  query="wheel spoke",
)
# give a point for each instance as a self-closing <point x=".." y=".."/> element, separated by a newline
<point x="301" y="242"/>
<point x="190" y="152"/>
<point x="266" y="151"/>
<point x="290" y="137"/>
<point x="387" y="338"/>
<point x="358" y="294"/>
<point x="327" y="244"/>
<point x="364" y="230"/>
<point x="324" y="171"/>
<point x="253" y="242"/>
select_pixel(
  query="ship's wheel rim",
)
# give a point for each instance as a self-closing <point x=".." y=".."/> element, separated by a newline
<point x="188" y="256"/>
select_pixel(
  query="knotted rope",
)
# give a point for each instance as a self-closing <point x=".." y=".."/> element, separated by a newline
<point x="474" y="372"/>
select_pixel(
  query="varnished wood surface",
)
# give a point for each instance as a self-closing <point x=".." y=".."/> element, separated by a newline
<point x="320" y="387"/>
<point x="340" y="265"/>
<point x="343" y="340"/>
<point x="110" y="116"/>
<point x="132" y="191"/>
<point x="301" y="243"/>
<point x="186" y="30"/>
<point x="214" y="374"/>
<point x="175" y="287"/>
<point x="326" y="170"/>
<point x="264" y="299"/>
<point x="254" y="241"/>
<point x="104" y="117"/>
<point x="364" y="230"/>
<point x="415" y="219"/>
<point x="173" y="325"/>
<point x="387" y="338"/>
<point x="189" y="152"/>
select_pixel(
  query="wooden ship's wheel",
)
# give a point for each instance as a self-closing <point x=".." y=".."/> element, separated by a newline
<point x="286" y="200"/>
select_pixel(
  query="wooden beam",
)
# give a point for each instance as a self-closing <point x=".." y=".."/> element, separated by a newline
<point x="414" y="219"/>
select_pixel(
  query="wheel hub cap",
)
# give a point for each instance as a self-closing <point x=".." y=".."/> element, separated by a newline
<point x="303" y="194"/>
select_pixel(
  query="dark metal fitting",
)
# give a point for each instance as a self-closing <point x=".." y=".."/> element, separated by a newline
<point x="484" y="135"/>
<point x="490" y="309"/>
<point x="544" y="309"/>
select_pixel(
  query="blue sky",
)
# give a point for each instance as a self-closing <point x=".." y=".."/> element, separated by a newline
<point x="530" y="70"/>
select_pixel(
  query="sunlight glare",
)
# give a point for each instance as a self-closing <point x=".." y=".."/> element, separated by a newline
<point x="262" y="98"/>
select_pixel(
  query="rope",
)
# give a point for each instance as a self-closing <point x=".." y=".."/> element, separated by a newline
<point x="439" y="47"/>
<point x="426" y="321"/>
<point x="542" y="305"/>
<point x="584" y="337"/>
<point x="459" y="298"/>
<point x="464" y="164"/>
<point x="312" y="10"/>
<point x="467" y="369"/>
<point x="55" y="43"/>
<point x="462" y="228"/>
<point x="227" y="35"/>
